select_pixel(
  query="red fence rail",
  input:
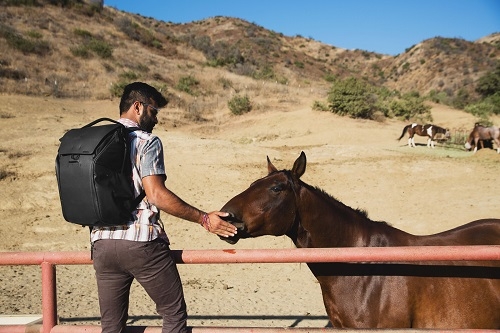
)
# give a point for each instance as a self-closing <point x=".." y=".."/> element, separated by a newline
<point x="49" y="260"/>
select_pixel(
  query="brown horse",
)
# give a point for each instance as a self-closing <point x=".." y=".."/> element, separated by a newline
<point x="424" y="130"/>
<point x="480" y="134"/>
<point x="461" y="294"/>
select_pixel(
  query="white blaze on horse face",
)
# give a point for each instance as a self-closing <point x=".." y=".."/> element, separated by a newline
<point x="468" y="146"/>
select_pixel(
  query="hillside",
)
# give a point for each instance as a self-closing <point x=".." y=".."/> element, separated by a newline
<point x="81" y="51"/>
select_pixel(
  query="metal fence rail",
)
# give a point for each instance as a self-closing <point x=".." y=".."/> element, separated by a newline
<point x="49" y="260"/>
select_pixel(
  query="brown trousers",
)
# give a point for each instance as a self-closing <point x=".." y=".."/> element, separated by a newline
<point x="118" y="262"/>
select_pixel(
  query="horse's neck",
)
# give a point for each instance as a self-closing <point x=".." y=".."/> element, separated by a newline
<point x="323" y="221"/>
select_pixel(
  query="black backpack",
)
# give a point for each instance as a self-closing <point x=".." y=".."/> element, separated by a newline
<point x="94" y="174"/>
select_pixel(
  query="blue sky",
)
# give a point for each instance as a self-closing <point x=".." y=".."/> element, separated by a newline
<point x="382" y="26"/>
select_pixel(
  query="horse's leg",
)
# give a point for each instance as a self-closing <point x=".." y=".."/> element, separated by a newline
<point x="430" y="143"/>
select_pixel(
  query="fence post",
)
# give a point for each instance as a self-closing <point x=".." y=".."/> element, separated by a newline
<point x="49" y="296"/>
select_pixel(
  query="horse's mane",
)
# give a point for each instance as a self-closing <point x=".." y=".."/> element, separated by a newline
<point x="329" y="197"/>
<point x="361" y="212"/>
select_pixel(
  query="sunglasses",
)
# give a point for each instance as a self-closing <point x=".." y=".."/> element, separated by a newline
<point x="151" y="106"/>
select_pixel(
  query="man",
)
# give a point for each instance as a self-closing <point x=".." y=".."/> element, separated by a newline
<point x="140" y="249"/>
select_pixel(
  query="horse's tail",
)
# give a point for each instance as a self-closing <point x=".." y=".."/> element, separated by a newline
<point x="404" y="131"/>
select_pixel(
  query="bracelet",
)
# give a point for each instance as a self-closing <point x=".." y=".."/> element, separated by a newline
<point x="205" y="222"/>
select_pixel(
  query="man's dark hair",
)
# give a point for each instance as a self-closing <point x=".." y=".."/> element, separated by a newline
<point x="142" y="92"/>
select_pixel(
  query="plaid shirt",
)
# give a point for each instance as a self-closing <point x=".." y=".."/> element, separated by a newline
<point x="146" y="155"/>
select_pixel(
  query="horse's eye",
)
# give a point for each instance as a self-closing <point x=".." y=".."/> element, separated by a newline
<point x="277" y="188"/>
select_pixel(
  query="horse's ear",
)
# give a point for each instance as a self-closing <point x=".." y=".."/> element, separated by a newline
<point x="270" y="167"/>
<point x="299" y="167"/>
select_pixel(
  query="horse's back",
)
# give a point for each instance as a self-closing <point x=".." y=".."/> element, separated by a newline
<point x="479" y="232"/>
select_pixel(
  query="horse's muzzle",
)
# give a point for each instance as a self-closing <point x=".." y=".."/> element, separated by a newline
<point x="240" y="226"/>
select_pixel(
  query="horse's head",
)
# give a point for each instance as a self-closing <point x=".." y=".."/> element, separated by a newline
<point x="473" y="137"/>
<point x="268" y="206"/>
<point x="447" y="134"/>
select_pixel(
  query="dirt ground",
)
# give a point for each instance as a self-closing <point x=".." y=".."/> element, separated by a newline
<point x="360" y="162"/>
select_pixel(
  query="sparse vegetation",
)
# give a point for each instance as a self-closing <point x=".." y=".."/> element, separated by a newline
<point x="448" y="68"/>
<point x="26" y="45"/>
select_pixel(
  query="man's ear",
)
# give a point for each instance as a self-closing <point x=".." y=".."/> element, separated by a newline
<point x="137" y="107"/>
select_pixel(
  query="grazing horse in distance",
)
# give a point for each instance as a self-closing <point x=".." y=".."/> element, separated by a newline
<point x="428" y="130"/>
<point x="481" y="133"/>
<point x="448" y="294"/>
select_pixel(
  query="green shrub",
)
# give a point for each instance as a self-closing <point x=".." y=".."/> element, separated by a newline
<point x="485" y="108"/>
<point x="225" y="83"/>
<point x="266" y="73"/>
<point x="91" y="45"/>
<point x="81" y="51"/>
<point x="239" y="104"/>
<point x="299" y="64"/>
<point x="187" y="83"/>
<point x="128" y="76"/>
<point x="136" y="32"/>
<point x="116" y="89"/>
<point x="101" y="48"/>
<point x="489" y="84"/>
<point x="319" y="106"/>
<point x="411" y="107"/>
<point x="439" y="97"/>
<point x="330" y="77"/>
<point x="82" y="33"/>
<point x="351" y="97"/>
<point x="34" y="34"/>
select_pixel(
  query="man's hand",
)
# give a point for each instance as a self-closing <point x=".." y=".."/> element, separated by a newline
<point x="218" y="226"/>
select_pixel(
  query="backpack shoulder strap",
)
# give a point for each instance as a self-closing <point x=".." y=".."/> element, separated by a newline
<point x="141" y="195"/>
<point x="138" y="199"/>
